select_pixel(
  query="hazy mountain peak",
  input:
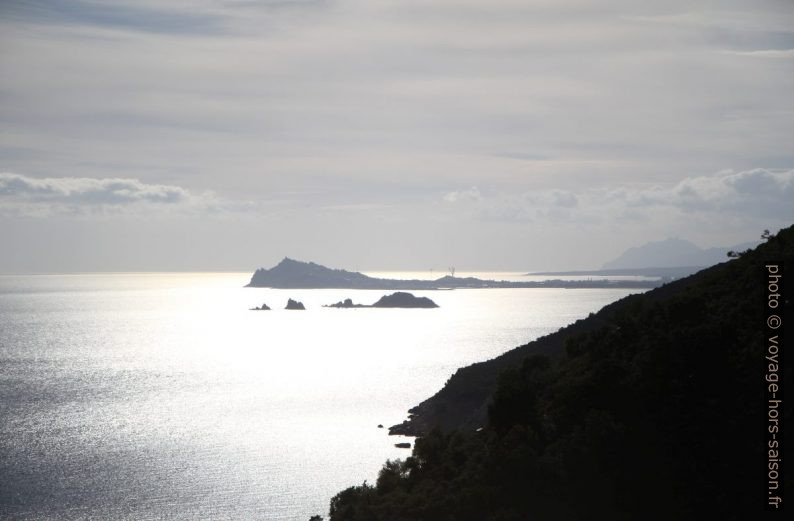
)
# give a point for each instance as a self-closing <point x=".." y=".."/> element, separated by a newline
<point x="670" y="253"/>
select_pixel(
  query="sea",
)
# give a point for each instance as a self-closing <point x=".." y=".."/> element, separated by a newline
<point x="148" y="396"/>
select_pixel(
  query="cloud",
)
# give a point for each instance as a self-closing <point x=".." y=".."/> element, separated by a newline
<point x="264" y="91"/>
<point x="768" y="53"/>
<point x="471" y="195"/>
<point x="518" y="118"/>
<point x="128" y="16"/>
<point x="751" y="194"/>
<point x="55" y="195"/>
<point x="523" y="207"/>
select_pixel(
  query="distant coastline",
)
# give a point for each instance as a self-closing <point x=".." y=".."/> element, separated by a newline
<point x="659" y="273"/>
<point x="293" y="274"/>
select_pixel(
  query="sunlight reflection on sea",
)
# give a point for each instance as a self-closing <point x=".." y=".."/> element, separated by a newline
<point x="150" y="396"/>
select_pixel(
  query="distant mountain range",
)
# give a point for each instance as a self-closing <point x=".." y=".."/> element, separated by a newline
<point x="672" y="253"/>
<point x="293" y="274"/>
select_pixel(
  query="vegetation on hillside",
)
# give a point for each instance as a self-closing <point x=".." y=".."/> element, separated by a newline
<point x="655" y="412"/>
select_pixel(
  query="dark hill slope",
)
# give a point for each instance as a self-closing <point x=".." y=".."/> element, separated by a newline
<point x="463" y="400"/>
<point x="653" y="408"/>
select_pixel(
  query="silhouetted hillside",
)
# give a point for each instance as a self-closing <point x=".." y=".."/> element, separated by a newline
<point x="293" y="274"/>
<point x="653" y="408"/>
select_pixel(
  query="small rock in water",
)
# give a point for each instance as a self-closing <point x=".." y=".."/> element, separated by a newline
<point x="294" y="304"/>
<point x="401" y="299"/>
<point x="403" y="445"/>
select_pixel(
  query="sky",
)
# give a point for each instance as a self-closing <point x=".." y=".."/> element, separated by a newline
<point x="377" y="134"/>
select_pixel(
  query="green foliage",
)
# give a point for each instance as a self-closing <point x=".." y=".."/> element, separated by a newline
<point x="656" y="413"/>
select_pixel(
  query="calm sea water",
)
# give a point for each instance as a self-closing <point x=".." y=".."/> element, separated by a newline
<point x="161" y="396"/>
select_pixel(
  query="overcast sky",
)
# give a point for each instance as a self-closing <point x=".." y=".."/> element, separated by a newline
<point x="372" y="134"/>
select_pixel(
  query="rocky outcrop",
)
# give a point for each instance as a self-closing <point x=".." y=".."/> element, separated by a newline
<point x="399" y="299"/>
<point x="263" y="307"/>
<point x="402" y="299"/>
<point x="294" y="304"/>
<point x="347" y="303"/>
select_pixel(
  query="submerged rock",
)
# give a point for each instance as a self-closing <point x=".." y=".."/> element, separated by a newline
<point x="294" y="304"/>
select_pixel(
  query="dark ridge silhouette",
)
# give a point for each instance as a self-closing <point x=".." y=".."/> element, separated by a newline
<point x="653" y="408"/>
<point x="292" y="274"/>
<point x="399" y="299"/>
<point x="263" y="307"/>
<point x="294" y="304"/>
<point x="464" y="398"/>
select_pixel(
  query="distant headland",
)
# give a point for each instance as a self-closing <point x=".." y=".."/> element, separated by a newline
<point x="293" y="274"/>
